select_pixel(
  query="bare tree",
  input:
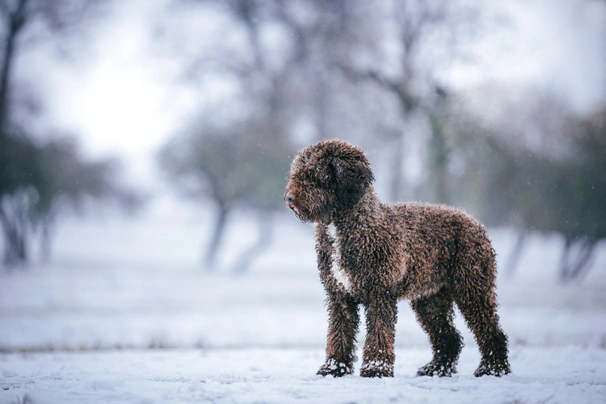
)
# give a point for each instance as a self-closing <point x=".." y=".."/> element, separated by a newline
<point x="65" y="181"/>
<point x="537" y="167"/>
<point x="428" y="34"/>
<point x="585" y="224"/>
<point x="43" y="181"/>
<point x="241" y="160"/>
<point x="23" y="23"/>
<point x="233" y="167"/>
<point x="15" y="196"/>
<point x="295" y="75"/>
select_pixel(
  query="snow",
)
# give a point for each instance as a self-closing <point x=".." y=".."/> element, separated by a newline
<point x="275" y="375"/>
<point x="124" y="314"/>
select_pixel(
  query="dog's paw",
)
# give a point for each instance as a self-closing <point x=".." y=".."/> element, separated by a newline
<point x="376" y="369"/>
<point x="335" y="368"/>
<point x="440" y="369"/>
<point x="492" y="369"/>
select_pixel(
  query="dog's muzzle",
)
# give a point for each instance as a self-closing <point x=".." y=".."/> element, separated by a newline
<point x="290" y="202"/>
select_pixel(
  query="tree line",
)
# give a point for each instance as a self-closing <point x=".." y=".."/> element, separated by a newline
<point x="277" y="75"/>
<point x="307" y="70"/>
<point x="369" y="72"/>
<point x="43" y="175"/>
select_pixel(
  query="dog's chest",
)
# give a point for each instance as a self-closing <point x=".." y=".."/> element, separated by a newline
<point x="339" y="274"/>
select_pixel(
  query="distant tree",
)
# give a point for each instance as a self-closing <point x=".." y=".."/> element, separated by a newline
<point x="540" y="172"/>
<point x="242" y="159"/>
<point x="65" y="181"/>
<point x="23" y="21"/>
<point x="287" y="54"/>
<point x="15" y="196"/>
<point x="582" y="196"/>
<point x="43" y="181"/>
<point x="233" y="167"/>
<point x="27" y="193"/>
<point x="427" y="35"/>
<point x="286" y="61"/>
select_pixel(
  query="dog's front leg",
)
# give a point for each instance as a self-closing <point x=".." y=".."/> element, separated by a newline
<point x="381" y="316"/>
<point x="343" y="320"/>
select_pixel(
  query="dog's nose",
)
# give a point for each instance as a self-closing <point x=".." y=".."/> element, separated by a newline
<point x="290" y="198"/>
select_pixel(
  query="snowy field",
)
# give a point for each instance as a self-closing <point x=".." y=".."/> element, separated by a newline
<point x="124" y="314"/>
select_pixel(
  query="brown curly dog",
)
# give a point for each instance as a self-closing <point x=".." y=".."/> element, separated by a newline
<point x="375" y="254"/>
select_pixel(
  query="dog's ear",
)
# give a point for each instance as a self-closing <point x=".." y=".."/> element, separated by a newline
<point x="352" y="178"/>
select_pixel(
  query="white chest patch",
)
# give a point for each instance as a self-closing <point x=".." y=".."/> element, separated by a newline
<point x="338" y="273"/>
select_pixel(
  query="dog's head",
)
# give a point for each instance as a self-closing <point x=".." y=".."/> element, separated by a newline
<point x="327" y="177"/>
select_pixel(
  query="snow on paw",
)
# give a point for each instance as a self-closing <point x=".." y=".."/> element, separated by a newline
<point x="377" y="368"/>
<point x="439" y="369"/>
<point x="335" y="368"/>
<point x="492" y="369"/>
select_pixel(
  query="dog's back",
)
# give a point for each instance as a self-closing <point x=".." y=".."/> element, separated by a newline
<point x="441" y="244"/>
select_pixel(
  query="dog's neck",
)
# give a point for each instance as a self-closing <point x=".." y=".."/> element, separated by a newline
<point x="363" y="212"/>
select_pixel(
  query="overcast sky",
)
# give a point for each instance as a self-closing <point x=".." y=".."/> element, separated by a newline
<point x="123" y="101"/>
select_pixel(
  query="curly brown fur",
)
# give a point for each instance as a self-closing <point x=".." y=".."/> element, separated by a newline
<point x="375" y="254"/>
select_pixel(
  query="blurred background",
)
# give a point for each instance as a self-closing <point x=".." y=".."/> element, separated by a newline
<point x="144" y="149"/>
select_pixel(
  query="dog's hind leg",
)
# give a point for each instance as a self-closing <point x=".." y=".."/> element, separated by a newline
<point x="381" y="316"/>
<point x="435" y="313"/>
<point x="476" y="299"/>
<point x="343" y="320"/>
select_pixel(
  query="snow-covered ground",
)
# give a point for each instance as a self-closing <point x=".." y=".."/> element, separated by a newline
<point x="124" y="313"/>
<point x="286" y="375"/>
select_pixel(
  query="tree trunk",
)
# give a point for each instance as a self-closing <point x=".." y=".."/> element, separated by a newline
<point x="514" y="256"/>
<point x="439" y="159"/>
<point x="15" y="240"/>
<point x="245" y="260"/>
<point x="16" y="19"/>
<point x="575" y="263"/>
<point x="4" y="76"/>
<point x="564" y="265"/>
<point x="216" y="238"/>
<point x="45" y="240"/>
